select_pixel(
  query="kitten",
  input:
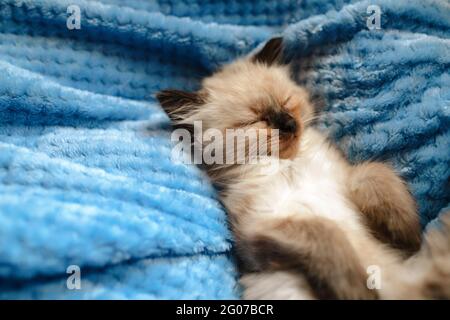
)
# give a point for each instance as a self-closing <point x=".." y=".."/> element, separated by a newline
<point x="312" y="228"/>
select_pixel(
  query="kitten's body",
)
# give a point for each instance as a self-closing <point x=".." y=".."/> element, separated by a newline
<point x="310" y="225"/>
<point x="312" y="184"/>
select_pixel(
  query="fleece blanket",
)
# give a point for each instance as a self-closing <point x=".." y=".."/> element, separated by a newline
<point x="91" y="205"/>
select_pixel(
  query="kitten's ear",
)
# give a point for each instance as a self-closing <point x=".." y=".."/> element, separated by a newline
<point x="271" y="53"/>
<point x="175" y="102"/>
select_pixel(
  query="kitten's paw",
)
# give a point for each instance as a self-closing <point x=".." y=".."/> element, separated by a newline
<point x="275" y="285"/>
<point x="387" y="205"/>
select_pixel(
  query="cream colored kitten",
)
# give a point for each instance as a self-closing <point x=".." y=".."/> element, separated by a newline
<point x="314" y="227"/>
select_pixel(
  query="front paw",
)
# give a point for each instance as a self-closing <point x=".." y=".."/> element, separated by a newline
<point x="388" y="207"/>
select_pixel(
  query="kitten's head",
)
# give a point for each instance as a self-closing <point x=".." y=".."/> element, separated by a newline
<point x="255" y="92"/>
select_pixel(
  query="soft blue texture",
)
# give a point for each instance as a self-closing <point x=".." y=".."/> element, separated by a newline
<point x="85" y="171"/>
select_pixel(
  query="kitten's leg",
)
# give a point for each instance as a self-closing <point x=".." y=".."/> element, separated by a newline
<point x="387" y="205"/>
<point x="276" y="285"/>
<point x="317" y="249"/>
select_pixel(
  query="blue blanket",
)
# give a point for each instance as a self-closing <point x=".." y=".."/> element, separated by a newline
<point x="85" y="173"/>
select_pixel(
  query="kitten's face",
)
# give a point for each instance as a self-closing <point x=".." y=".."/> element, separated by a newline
<point x="252" y="93"/>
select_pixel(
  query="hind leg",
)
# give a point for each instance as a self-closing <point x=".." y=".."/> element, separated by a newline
<point x="276" y="285"/>
<point x="388" y="207"/>
<point x="313" y="248"/>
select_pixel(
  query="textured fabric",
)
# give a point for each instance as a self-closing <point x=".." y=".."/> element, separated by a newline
<point x="85" y="172"/>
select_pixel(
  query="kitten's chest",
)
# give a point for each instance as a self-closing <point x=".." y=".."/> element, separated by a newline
<point x="311" y="185"/>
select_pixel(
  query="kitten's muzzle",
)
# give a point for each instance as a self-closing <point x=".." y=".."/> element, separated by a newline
<point x="283" y="121"/>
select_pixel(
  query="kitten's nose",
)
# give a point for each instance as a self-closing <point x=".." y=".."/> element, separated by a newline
<point x="284" y="122"/>
<point x="290" y="126"/>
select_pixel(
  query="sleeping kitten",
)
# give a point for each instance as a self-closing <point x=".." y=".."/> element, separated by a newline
<point x="315" y="226"/>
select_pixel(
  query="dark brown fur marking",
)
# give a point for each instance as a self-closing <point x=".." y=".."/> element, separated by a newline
<point x="436" y="253"/>
<point x="316" y="248"/>
<point x="172" y="100"/>
<point x="271" y="52"/>
<point x="388" y="207"/>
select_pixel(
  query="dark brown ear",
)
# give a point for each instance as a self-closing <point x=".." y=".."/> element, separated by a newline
<point x="271" y="53"/>
<point x="175" y="101"/>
